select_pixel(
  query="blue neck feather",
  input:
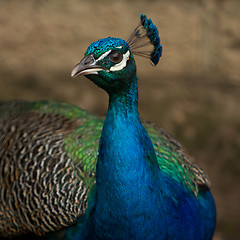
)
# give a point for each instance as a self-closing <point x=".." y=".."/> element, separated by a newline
<point x="125" y="168"/>
<point x="134" y="199"/>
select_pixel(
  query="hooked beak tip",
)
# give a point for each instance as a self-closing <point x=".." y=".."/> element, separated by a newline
<point x="86" y="66"/>
<point x="74" y="72"/>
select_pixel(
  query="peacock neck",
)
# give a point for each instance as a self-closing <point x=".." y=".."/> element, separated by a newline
<point x="124" y="104"/>
<point x="127" y="167"/>
<point x="122" y="130"/>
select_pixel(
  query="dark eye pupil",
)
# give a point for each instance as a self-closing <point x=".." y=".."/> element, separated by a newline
<point x="116" y="56"/>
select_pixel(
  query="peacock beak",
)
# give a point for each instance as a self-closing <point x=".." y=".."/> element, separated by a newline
<point x="86" y="66"/>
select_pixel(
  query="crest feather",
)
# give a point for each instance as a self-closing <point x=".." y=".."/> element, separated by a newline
<point x="146" y="34"/>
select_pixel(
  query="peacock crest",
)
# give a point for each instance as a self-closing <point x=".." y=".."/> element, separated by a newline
<point x="145" y="35"/>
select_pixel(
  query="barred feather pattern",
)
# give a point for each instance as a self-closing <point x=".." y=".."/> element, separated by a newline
<point x="40" y="190"/>
<point x="175" y="162"/>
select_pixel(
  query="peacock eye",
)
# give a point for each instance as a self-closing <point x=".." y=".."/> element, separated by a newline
<point x="115" y="56"/>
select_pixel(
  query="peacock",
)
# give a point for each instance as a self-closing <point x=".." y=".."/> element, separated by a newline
<point x="68" y="174"/>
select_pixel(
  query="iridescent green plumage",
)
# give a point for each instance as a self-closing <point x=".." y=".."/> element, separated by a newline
<point x="82" y="144"/>
<point x="170" y="154"/>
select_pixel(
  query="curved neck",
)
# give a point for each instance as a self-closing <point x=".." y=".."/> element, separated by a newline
<point x="126" y="165"/>
<point x="122" y="129"/>
<point x="124" y="104"/>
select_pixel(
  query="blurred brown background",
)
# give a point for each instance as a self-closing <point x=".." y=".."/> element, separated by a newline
<point x="194" y="92"/>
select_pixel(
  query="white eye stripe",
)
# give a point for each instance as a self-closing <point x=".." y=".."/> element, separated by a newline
<point x="106" y="54"/>
<point x="118" y="66"/>
<point x="103" y="55"/>
<point x="122" y="64"/>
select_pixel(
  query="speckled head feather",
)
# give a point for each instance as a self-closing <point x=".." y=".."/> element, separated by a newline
<point x="145" y="34"/>
<point x="101" y="46"/>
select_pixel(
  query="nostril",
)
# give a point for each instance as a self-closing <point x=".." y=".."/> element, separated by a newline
<point x="88" y="60"/>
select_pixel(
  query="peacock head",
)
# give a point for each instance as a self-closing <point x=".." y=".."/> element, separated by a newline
<point x="109" y="62"/>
